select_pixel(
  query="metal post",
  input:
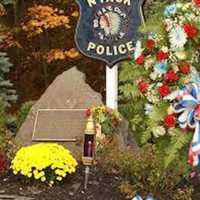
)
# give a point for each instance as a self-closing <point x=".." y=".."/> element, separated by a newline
<point x="112" y="87"/>
<point x="87" y="172"/>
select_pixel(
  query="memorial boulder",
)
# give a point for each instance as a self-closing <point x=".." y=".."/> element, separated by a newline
<point x="59" y="113"/>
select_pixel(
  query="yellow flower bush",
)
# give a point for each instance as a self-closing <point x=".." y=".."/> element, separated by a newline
<point x="47" y="162"/>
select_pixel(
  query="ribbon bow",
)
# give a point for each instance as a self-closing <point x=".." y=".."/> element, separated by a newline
<point x="138" y="197"/>
<point x="189" y="107"/>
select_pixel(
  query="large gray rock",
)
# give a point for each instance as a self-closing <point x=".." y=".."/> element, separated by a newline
<point x="68" y="91"/>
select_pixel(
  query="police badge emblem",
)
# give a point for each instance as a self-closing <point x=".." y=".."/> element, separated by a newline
<point x="107" y="29"/>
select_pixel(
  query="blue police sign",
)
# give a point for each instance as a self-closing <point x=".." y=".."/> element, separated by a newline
<point x="107" y="29"/>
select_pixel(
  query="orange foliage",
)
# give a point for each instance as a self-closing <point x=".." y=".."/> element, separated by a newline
<point x="59" y="54"/>
<point x="8" y="41"/>
<point x="72" y="53"/>
<point x="43" y="18"/>
<point x="55" y="54"/>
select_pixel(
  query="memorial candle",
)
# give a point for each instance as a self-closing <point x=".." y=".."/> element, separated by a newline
<point x="90" y="149"/>
<point x="89" y="141"/>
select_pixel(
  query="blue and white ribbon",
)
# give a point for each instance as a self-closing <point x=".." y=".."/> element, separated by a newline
<point x="189" y="109"/>
<point x="138" y="197"/>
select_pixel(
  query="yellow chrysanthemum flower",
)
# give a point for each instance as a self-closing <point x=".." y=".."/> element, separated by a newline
<point x="44" y="161"/>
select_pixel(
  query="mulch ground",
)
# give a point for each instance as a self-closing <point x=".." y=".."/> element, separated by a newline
<point x="101" y="187"/>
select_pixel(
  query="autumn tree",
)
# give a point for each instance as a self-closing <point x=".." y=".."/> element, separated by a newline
<point x="41" y="44"/>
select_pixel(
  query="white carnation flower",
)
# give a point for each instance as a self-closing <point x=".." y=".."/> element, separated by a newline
<point x="177" y="38"/>
<point x="158" y="131"/>
<point x="148" y="108"/>
<point x="154" y="75"/>
<point x="152" y="95"/>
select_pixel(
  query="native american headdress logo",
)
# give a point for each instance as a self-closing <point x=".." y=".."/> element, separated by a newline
<point x="110" y="23"/>
<point x="107" y="29"/>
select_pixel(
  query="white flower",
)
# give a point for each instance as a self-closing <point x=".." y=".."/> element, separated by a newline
<point x="177" y="38"/>
<point x="165" y="49"/>
<point x="173" y="95"/>
<point x="154" y="75"/>
<point x="186" y="6"/>
<point x="181" y="55"/>
<point x="152" y="95"/>
<point x="148" y="63"/>
<point x="148" y="108"/>
<point x="195" y="76"/>
<point x="158" y="131"/>
<point x="179" y="5"/>
<point x="168" y="24"/>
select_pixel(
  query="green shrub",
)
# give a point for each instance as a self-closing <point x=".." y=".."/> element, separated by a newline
<point x="142" y="173"/>
<point x="2" y="114"/>
<point x="23" y="113"/>
<point x="13" y="123"/>
<point x="3" y="119"/>
<point x="7" y="93"/>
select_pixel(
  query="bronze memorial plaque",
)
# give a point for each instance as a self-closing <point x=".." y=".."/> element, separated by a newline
<point x="64" y="125"/>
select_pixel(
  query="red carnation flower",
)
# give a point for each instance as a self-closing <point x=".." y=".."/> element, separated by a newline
<point x="164" y="90"/>
<point x="170" y="121"/>
<point x="171" y="76"/>
<point x="197" y="2"/>
<point x="190" y="30"/>
<point x="143" y="86"/>
<point x="88" y="112"/>
<point x="140" y="59"/>
<point x="161" y="55"/>
<point x="150" y="44"/>
<point x="184" y="68"/>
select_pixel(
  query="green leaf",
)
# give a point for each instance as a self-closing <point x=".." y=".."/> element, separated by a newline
<point x="179" y="140"/>
<point x="146" y="136"/>
<point x="159" y="111"/>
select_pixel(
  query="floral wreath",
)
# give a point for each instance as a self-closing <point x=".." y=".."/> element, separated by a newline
<point x="171" y="80"/>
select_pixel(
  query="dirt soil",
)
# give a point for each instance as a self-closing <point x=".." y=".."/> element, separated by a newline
<point x="101" y="187"/>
